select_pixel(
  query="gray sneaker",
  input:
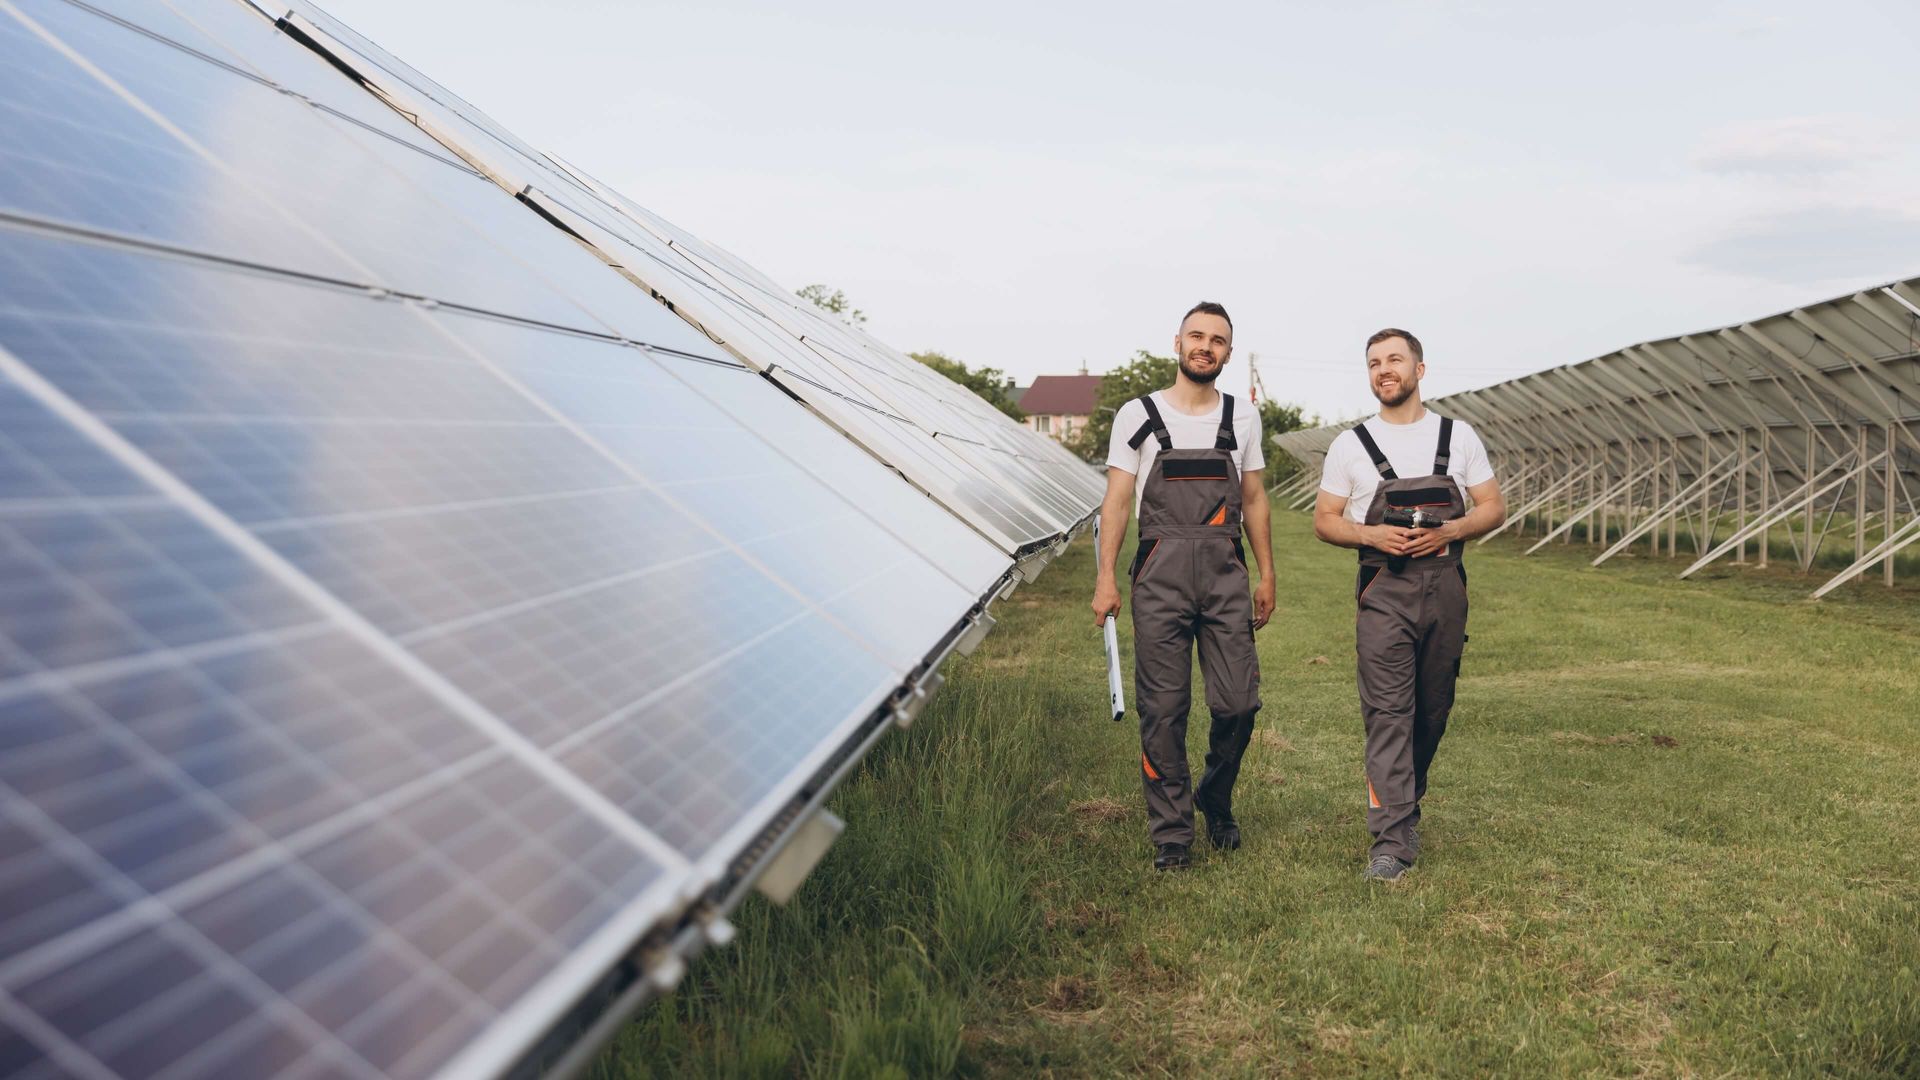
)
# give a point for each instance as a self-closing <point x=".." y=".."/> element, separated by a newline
<point x="1386" y="868"/>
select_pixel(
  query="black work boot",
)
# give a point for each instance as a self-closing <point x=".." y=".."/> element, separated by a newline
<point x="1172" y="857"/>
<point x="1223" y="832"/>
<point x="1385" y="867"/>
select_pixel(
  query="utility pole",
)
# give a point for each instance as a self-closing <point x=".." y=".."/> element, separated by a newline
<point x="1257" y="389"/>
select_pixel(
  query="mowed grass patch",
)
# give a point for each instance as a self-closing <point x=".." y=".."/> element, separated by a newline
<point x="1669" y="833"/>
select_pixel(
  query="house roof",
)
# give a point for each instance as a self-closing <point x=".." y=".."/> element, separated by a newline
<point x="1061" y="395"/>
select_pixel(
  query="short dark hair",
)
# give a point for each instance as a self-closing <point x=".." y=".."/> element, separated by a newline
<point x="1207" y="307"/>
<point x="1393" y="332"/>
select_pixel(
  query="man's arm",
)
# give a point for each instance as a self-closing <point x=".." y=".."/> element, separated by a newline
<point x="1489" y="511"/>
<point x="1256" y="518"/>
<point x="1115" y="509"/>
<point x="1330" y="524"/>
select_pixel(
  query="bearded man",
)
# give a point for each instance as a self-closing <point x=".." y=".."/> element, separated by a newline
<point x="1189" y="463"/>
<point x="1392" y="488"/>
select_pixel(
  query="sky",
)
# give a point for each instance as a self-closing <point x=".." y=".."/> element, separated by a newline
<point x="1036" y="187"/>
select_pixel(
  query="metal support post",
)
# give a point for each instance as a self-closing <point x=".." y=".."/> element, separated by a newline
<point x="1705" y="500"/>
<point x="1740" y="553"/>
<point x="1653" y="502"/>
<point x="1542" y="498"/>
<point x="1803" y="496"/>
<point x="1674" y="506"/>
<point x="1888" y="514"/>
<point x="1766" y="489"/>
<point x="1673" y="482"/>
<point x="1598" y="500"/>
<point x="1608" y="458"/>
<point x="1860" y="503"/>
<point x="1806" y="552"/>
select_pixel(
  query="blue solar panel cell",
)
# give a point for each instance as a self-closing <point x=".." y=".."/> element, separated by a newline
<point x="20" y="1059"/>
<point x="742" y="729"/>
<point x="231" y="746"/>
<point x="839" y="462"/>
<point x="382" y="511"/>
<point x="76" y="152"/>
<point x="235" y="35"/>
<point x="691" y="451"/>
<point x="327" y="198"/>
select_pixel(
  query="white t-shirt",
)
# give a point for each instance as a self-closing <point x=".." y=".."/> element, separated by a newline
<point x="1187" y="433"/>
<point x="1350" y="473"/>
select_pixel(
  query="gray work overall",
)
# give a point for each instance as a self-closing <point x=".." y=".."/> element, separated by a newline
<point x="1190" y="585"/>
<point x="1409" y="632"/>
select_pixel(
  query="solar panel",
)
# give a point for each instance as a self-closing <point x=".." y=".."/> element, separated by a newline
<point x="214" y="789"/>
<point x="410" y="631"/>
<point x="1017" y="505"/>
<point x="904" y="385"/>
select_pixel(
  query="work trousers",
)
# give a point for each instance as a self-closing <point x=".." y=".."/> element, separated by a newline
<point x="1410" y="631"/>
<point x="1189" y="592"/>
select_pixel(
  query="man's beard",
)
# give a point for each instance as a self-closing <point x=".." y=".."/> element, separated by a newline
<point x="1201" y="377"/>
<point x="1406" y="391"/>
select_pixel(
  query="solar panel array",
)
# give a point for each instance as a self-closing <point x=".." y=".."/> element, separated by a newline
<point x="1731" y="432"/>
<point x="433" y="586"/>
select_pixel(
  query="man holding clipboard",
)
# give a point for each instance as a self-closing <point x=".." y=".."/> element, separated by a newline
<point x="1190" y="463"/>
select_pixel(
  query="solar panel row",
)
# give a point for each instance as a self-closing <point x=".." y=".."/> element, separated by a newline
<point x="412" y="631"/>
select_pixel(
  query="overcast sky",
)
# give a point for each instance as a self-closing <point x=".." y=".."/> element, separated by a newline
<point x="1031" y="186"/>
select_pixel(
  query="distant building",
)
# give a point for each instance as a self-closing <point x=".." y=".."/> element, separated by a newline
<point x="1059" y="405"/>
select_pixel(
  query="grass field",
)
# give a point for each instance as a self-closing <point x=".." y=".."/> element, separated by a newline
<point x="1671" y="832"/>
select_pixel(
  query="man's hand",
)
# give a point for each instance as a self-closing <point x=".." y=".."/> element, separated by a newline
<point x="1262" y="602"/>
<point x="1106" y="601"/>
<point x="1388" y="538"/>
<point x="1424" y="542"/>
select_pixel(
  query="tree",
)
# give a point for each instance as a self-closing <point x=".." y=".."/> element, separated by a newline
<point x="834" y="303"/>
<point x="1143" y="374"/>
<point x="1276" y="418"/>
<point x="991" y="384"/>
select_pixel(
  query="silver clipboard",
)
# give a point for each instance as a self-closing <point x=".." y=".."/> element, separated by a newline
<point x="1116" y="698"/>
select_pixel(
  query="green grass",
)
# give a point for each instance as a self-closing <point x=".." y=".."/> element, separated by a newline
<point x="1671" y="832"/>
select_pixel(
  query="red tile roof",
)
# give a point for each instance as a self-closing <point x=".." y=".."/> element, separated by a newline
<point x="1061" y="395"/>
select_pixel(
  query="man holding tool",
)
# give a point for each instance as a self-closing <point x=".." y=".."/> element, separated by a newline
<point x="1190" y="464"/>
<point x="1392" y="488"/>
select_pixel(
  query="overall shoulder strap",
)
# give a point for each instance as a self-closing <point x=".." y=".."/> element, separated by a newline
<point x="1226" y="440"/>
<point x="1153" y="424"/>
<point x="1443" y="454"/>
<point x="1373" y="451"/>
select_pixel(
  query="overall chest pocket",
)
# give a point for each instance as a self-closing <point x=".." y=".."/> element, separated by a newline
<point x="1205" y="468"/>
<point x="1408" y="498"/>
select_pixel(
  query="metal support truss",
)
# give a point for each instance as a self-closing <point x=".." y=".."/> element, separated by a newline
<point x="1671" y="507"/>
<point x="1788" y="506"/>
<point x="1596" y="506"/>
<point x="1793" y="429"/>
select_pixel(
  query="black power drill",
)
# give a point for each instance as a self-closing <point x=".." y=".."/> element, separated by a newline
<point x="1401" y="517"/>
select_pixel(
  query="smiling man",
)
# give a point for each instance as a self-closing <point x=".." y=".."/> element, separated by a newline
<point x="1190" y="463"/>
<point x="1392" y="488"/>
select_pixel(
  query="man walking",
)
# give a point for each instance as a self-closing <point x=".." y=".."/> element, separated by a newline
<point x="1189" y="462"/>
<point x="1392" y="488"/>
